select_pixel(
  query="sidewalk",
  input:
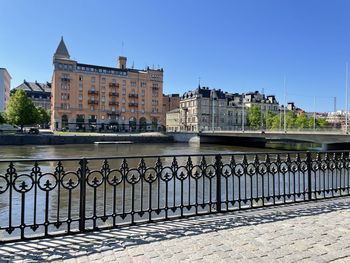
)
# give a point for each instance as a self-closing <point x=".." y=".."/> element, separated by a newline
<point x="309" y="232"/>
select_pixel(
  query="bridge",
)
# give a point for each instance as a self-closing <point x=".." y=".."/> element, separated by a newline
<point x="329" y="140"/>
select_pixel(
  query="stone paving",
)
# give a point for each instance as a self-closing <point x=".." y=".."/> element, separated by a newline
<point x="308" y="232"/>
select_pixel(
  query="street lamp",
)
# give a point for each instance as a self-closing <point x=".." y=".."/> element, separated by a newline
<point x="243" y="112"/>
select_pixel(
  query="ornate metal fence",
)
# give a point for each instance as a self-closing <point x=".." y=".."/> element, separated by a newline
<point x="42" y="198"/>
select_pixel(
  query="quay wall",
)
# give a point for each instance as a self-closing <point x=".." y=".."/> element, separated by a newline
<point x="12" y="139"/>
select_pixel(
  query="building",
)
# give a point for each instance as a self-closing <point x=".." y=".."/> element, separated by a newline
<point x="173" y="120"/>
<point x="39" y="93"/>
<point x="5" y="85"/>
<point x="170" y="102"/>
<point x="202" y="109"/>
<point x="265" y="103"/>
<point x="212" y="109"/>
<point x="90" y="97"/>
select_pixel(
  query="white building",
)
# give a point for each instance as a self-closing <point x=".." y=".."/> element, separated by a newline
<point x="5" y="85"/>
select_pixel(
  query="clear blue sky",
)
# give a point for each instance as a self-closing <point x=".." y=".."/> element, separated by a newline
<point x="237" y="46"/>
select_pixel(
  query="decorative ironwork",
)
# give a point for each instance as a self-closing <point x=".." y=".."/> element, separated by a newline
<point x="41" y="198"/>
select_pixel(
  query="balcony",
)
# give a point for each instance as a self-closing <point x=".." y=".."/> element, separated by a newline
<point x="93" y="102"/>
<point x="113" y="85"/>
<point x="133" y="95"/>
<point x="93" y="92"/>
<point x="133" y="104"/>
<point x="114" y="94"/>
<point x="65" y="79"/>
<point x="114" y="103"/>
<point x="155" y="88"/>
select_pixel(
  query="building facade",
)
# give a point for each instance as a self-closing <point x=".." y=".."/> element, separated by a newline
<point x="210" y="109"/>
<point x="173" y="121"/>
<point x="5" y="85"/>
<point x="39" y="93"/>
<point x="170" y="102"/>
<point x="90" y="97"/>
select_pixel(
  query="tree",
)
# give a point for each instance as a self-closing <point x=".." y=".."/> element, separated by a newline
<point x="290" y="119"/>
<point x="322" y="123"/>
<point x="270" y="117"/>
<point x="43" y="116"/>
<point x="301" y="121"/>
<point x="21" y="110"/>
<point x="2" y="117"/>
<point x="254" y="117"/>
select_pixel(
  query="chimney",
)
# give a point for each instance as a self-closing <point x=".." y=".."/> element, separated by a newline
<point x="121" y="62"/>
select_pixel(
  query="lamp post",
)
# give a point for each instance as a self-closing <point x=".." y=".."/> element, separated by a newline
<point x="243" y="112"/>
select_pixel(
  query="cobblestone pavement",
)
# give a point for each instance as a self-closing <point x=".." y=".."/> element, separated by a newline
<point x="308" y="232"/>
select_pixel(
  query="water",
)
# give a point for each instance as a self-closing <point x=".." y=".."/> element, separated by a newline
<point x="61" y="203"/>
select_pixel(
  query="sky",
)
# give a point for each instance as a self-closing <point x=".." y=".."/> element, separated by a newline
<point x="236" y="46"/>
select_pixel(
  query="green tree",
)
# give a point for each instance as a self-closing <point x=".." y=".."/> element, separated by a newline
<point x="270" y="116"/>
<point x="277" y="122"/>
<point x="254" y="117"/>
<point x="43" y="116"/>
<point x="301" y="121"/>
<point x="322" y="123"/>
<point x="290" y="119"/>
<point x="2" y="117"/>
<point x="21" y="110"/>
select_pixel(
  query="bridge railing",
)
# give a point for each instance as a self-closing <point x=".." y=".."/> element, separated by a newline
<point x="50" y="197"/>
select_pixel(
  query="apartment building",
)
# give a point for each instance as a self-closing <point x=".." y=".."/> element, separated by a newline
<point x="39" y="93"/>
<point x="212" y="109"/>
<point x="5" y="85"/>
<point x="170" y="102"/>
<point x="90" y="97"/>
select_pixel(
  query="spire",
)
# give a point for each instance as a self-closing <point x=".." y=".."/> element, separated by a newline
<point x="62" y="51"/>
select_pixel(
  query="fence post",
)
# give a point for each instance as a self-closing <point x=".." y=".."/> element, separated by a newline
<point x="83" y="169"/>
<point x="218" y="172"/>
<point x="309" y="170"/>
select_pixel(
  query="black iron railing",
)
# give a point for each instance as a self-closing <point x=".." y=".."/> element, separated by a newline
<point x="42" y="198"/>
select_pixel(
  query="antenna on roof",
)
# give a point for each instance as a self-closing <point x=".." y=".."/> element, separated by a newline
<point x="199" y="82"/>
<point x="132" y="65"/>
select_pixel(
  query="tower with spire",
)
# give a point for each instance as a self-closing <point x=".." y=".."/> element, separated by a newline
<point x="61" y="51"/>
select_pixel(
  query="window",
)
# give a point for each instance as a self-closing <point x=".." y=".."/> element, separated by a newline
<point x="114" y="81"/>
<point x="80" y="106"/>
<point x="143" y="93"/>
<point x="103" y="98"/>
<point x="133" y="91"/>
<point x="103" y="107"/>
<point x="123" y="91"/>
<point x="123" y="109"/>
<point x="80" y="86"/>
<point x="93" y="79"/>
<point x="103" y="89"/>
<point x="133" y="83"/>
<point x="92" y="88"/>
<point x="154" y="85"/>
<point x="133" y="110"/>
<point x="143" y="110"/>
<point x="92" y="108"/>
<point x="103" y="80"/>
<point x="80" y="77"/>
<point x="113" y="108"/>
<point x="143" y="84"/>
<point x="102" y="117"/>
<point x="123" y="100"/>
<point x="93" y="98"/>
<point x="124" y="82"/>
<point x="80" y="97"/>
<point x="143" y="102"/>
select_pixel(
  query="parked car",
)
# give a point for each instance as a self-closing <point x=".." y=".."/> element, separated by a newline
<point x="33" y="130"/>
<point x="8" y="128"/>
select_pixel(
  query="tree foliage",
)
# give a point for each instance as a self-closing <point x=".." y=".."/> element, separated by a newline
<point x="275" y="121"/>
<point x="254" y="117"/>
<point x="20" y="110"/>
<point x="43" y="116"/>
<point x="2" y="117"/>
